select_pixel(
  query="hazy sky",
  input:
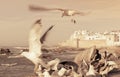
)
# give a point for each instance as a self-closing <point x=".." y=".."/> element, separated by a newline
<point x="16" y="19"/>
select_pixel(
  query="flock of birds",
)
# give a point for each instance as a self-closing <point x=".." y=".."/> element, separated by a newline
<point x="92" y="65"/>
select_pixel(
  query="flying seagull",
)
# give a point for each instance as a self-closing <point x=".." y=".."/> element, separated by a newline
<point x="66" y="12"/>
<point x="34" y="54"/>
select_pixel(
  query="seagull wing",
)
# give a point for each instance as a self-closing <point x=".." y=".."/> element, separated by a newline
<point x="70" y="12"/>
<point x="61" y="9"/>
<point x="81" y="13"/>
<point x="42" y="39"/>
<point x="40" y="8"/>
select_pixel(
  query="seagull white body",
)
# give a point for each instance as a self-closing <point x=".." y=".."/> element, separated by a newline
<point x="71" y="12"/>
<point x="68" y="12"/>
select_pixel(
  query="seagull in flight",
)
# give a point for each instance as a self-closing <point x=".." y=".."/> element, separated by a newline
<point x="66" y="12"/>
<point x="35" y="43"/>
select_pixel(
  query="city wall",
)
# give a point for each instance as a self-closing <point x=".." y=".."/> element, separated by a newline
<point x="84" y="43"/>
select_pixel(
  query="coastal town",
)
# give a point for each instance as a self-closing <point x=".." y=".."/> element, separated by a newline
<point x="84" y="38"/>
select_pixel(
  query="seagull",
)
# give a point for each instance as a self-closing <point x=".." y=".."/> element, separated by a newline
<point x="66" y="12"/>
<point x="34" y="54"/>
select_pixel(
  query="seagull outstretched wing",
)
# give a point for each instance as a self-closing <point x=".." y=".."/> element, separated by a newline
<point x="40" y="8"/>
<point x="42" y="39"/>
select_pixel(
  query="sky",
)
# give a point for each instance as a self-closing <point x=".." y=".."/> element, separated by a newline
<point x="16" y="19"/>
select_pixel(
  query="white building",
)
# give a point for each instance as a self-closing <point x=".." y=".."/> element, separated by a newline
<point x="111" y="38"/>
